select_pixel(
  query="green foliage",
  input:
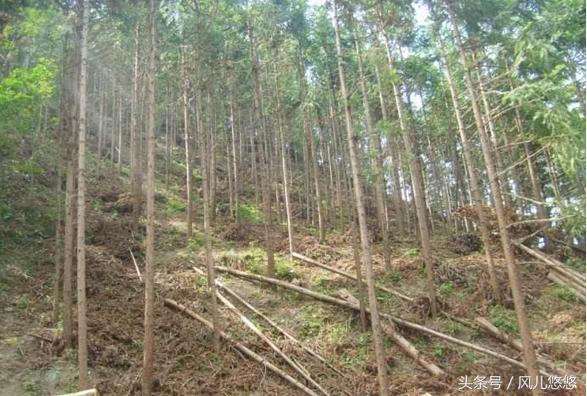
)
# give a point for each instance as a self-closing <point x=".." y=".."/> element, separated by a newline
<point x="174" y="205"/>
<point x="446" y="288"/>
<point x="561" y="292"/>
<point x="576" y="264"/>
<point x="22" y="93"/>
<point x="503" y="318"/>
<point x="284" y="269"/>
<point x="249" y="213"/>
<point x="413" y="252"/>
<point x="312" y="320"/>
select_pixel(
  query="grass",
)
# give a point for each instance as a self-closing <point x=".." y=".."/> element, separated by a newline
<point x="446" y="289"/>
<point x="312" y="318"/>
<point x="503" y="318"/>
<point x="255" y="262"/>
<point x="174" y="205"/>
<point x="249" y="213"/>
<point x="561" y="292"/>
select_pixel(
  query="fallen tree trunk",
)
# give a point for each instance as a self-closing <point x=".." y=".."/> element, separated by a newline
<point x="500" y="335"/>
<point x="240" y="347"/>
<point x="272" y="323"/>
<point x="87" y="392"/>
<point x="579" y="292"/>
<point x="410" y="350"/>
<point x="397" y="320"/>
<point x="554" y="264"/>
<point x="514" y="343"/>
<point x="297" y="367"/>
<point x="311" y="261"/>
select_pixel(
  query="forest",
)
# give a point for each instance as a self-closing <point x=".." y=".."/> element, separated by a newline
<point x="292" y="197"/>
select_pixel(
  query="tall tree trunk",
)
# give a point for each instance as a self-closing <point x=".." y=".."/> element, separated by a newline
<point x="513" y="269"/>
<point x="82" y="327"/>
<point x="149" y="341"/>
<point x="101" y="100"/>
<point x="397" y="196"/>
<point x="417" y="183"/>
<point x="362" y="217"/>
<point x="205" y="154"/>
<point x="134" y="138"/>
<point x="375" y="143"/>
<point x="265" y="154"/>
<point x="188" y="151"/>
<point x="475" y="185"/>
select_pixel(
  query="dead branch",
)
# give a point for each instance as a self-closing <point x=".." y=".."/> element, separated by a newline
<point x="240" y="347"/>
<point x="300" y="369"/>
<point x="136" y="266"/>
<point x="271" y="322"/>
<point x="308" y="260"/>
<point x="397" y="320"/>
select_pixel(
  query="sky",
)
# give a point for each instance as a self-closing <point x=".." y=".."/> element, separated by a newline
<point x="421" y="10"/>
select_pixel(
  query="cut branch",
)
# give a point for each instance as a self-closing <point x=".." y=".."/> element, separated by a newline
<point x="271" y="322"/>
<point x="310" y="261"/>
<point x="397" y="320"/>
<point x="240" y="347"/>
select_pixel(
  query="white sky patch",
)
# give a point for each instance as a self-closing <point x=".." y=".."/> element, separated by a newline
<point x="421" y="13"/>
<point x="316" y="3"/>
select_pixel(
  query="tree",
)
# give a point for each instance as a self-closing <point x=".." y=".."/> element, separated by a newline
<point x="82" y="330"/>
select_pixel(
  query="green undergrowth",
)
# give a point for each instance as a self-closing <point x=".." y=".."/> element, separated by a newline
<point x="255" y="260"/>
<point x="249" y="213"/>
<point x="560" y="292"/>
<point x="503" y="318"/>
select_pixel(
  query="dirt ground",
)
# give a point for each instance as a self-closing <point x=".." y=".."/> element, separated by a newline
<point x="32" y="362"/>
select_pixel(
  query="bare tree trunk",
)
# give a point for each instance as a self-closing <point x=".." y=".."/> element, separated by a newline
<point x="417" y="185"/>
<point x="375" y="143"/>
<point x="475" y="186"/>
<point x="102" y="99"/>
<point x="205" y="153"/>
<point x="188" y="153"/>
<point x="82" y="330"/>
<point x="397" y="197"/>
<point x="513" y="269"/>
<point x="134" y="138"/>
<point x="235" y="160"/>
<point x="149" y="341"/>
<point x="363" y="230"/>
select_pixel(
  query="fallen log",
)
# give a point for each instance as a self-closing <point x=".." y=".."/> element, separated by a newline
<point x="580" y="293"/>
<point x="87" y="392"/>
<point x="514" y="343"/>
<point x="271" y="323"/>
<point x="500" y="335"/>
<point x="410" y="349"/>
<point x="397" y="320"/>
<point x="311" y="261"/>
<point x="297" y="367"/>
<point x="554" y="264"/>
<point x="240" y="347"/>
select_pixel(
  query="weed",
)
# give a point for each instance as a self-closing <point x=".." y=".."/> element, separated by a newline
<point x="30" y="387"/>
<point x="22" y="302"/>
<point x="414" y="252"/>
<point x="439" y="350"/>
<point x="576" y="264"/>
<point x="394" y="276"/>
<point x="561" y="292"/>
<point x="420" y="343"/>
<point x="249" y="213"/>
<point x="200" y="284"/>
<point x="312" y="320"/>
<point x="174" y="205"/>
<point x="284" y="269"/>
<point x="446" y="288"/>
<point x="503" y="318"/>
